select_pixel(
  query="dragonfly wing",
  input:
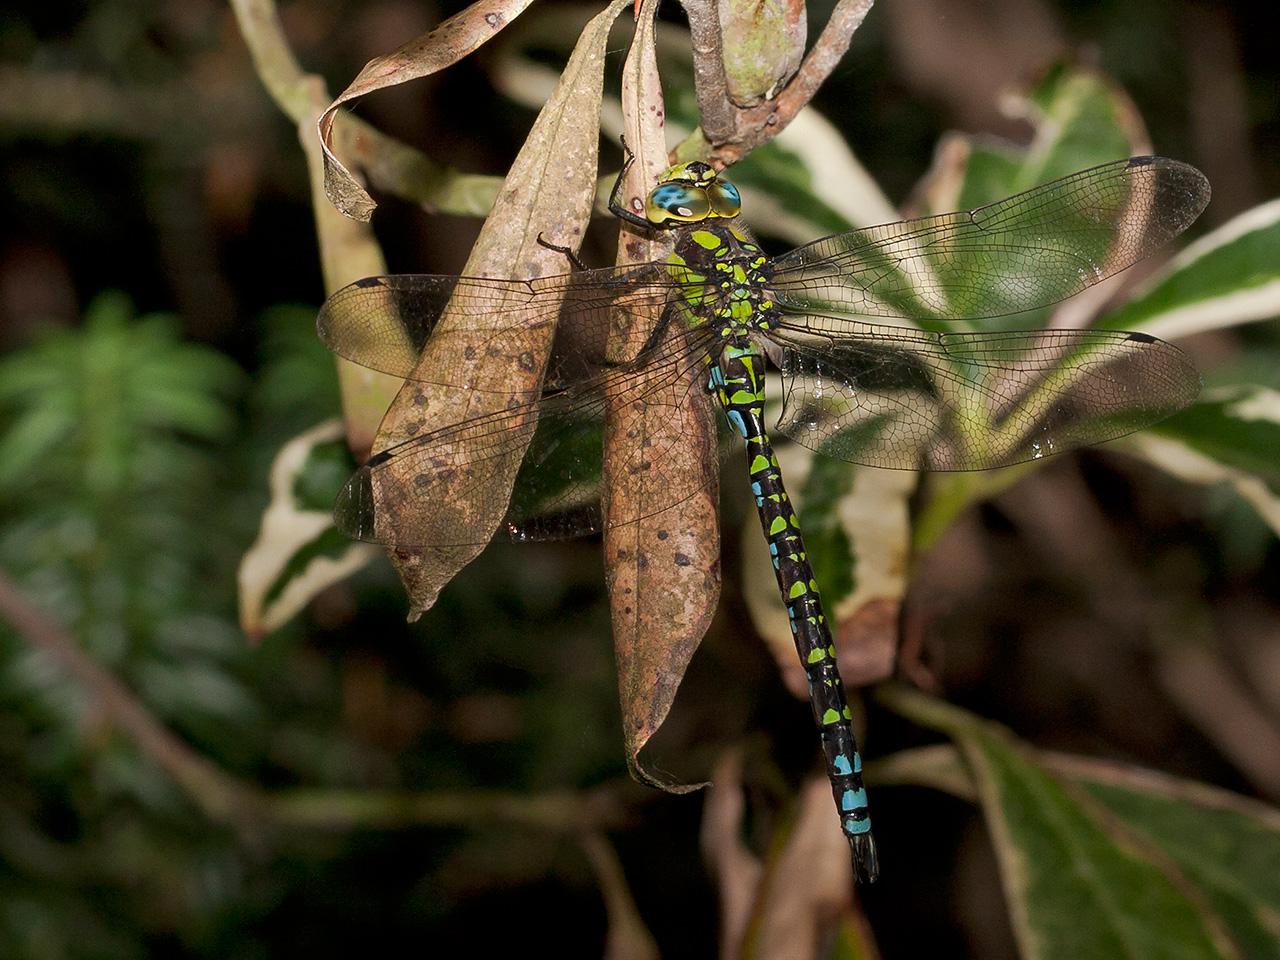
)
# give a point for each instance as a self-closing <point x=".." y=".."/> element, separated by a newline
<point x="400" y="496"/>
<point x="384" y="323"/>
<point x="1024" y="252"/>
<point x="897" y="397"/>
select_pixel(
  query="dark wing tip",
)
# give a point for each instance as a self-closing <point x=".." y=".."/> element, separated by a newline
<point x="1181" y="190"/>
<point x="368" y="282"/>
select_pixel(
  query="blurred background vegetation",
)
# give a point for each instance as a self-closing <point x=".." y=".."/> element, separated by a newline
<point x="350" y="779"/>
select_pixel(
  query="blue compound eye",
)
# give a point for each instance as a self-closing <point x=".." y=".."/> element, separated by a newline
<point x="677" y="201"/>
<point x="725" y="199"/>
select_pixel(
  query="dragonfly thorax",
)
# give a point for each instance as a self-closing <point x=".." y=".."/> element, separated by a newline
<point x="725" y="276"/>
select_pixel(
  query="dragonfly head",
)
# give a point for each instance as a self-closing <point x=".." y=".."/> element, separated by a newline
<point x="690" y="193"/>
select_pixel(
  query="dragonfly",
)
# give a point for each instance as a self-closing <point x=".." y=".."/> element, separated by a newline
<point x="871" y="331"/>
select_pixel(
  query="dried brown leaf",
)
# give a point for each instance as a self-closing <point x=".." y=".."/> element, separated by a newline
<point x="549" y="190"/>
<point x="809" y="887"/>
<point x="442" y="47"/>
<point x="663" y="571"/>
<point x="737" y="870"/>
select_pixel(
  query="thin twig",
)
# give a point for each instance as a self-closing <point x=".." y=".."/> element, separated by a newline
<point x="563" y="811"/>
<point x="226" y="799"/>
<point x="273" y="59"/>
<point x="719" y="117"/>
<point x="763" y="122"/>
<point x="221" y="797"/>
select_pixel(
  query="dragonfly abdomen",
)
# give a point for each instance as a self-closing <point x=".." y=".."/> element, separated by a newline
<point x="738" y="378"/>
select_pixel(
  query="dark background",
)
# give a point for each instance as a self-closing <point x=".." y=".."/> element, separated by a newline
<point x="140" y="154"/>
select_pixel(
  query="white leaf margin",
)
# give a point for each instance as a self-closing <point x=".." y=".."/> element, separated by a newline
<point x="1245" y="305"/>
<point x="1180" y="460"/>
<point x="285" y="530"/>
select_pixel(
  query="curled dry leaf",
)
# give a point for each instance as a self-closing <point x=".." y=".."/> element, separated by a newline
<point x="433" y="51"/>
<point x="662" y="571"/>
<point x="737" y="870"/>
<point x="799" y="902"/>
<point x="549" y="190"/>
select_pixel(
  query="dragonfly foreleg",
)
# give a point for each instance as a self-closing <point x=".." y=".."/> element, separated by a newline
<point x="567" y="251"/>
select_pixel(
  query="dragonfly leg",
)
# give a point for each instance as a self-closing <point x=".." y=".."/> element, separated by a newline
<point x="568" y="252"/>
<point x="615" y="197"/>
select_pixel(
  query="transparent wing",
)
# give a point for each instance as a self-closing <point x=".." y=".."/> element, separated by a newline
<point x="404" y="496"/>
<point x="896" y="397"/>
<point x="384" y="322"/>
<point x="1027" y="251"/>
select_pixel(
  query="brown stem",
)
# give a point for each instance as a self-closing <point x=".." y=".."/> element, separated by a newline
<point x="557" y="812"/>
<point x="217" y="793"/>
<point x="225" y="799"/>
<point x="719" y="117"/>
<point x="763" y="122"/>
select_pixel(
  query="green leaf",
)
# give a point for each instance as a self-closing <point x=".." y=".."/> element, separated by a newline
<point x="1081" y="120"/>
<point x="1078" y="884"/>
<point x="1229" y="437"/>
<point x="1185" y="462"/>
<point x="1237" y="426"/>
<point x="321" y="476"/>
<point x="298" y="552"/>
<point x="1227" y="846"/>
<point x="1228" y="277"/>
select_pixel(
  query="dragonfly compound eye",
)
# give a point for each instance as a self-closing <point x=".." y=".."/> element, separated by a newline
<point x="725" y="199"/>
<point x="682" y="202"/>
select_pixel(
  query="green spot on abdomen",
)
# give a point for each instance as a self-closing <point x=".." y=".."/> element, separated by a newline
<point x="705" y="238"/>
<point x="798" y="589"/>
<point x="776" y="528"/>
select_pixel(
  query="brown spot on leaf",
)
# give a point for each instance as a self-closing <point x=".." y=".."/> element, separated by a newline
<point x="682" y="560"/>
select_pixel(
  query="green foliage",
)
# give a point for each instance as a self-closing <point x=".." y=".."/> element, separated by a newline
<point x="107" y="445"/>
<point x="1101" y="860"/>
